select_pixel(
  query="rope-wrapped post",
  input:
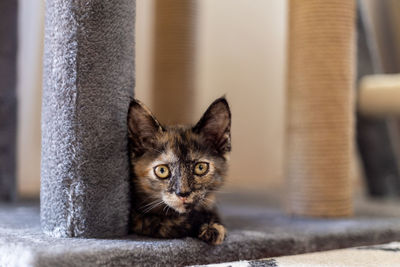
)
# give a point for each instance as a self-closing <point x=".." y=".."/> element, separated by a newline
<point x="88" y="83"/>
<point x="174" y="60"/>
<point x="320" y="113"/>
<point x="8" y="98"/>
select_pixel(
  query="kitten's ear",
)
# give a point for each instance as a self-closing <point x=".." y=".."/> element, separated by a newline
<point x="215" y="125"/>
<point x="142" y="126"/>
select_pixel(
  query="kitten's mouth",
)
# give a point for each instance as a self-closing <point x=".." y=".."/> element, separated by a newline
<point x="188" y="206"/>
<point x="176" y="204"/>
<point x="180" y="209"/>
<point x="183" y="207"/>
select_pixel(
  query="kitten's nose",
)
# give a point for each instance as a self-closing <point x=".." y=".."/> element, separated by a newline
<point x="182" y="195"/>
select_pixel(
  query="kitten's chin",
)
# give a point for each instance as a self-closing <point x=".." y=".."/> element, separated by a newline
<point x="175" y="204"/>
<point x="181" y="210"/>
<point x="207" y="201"/>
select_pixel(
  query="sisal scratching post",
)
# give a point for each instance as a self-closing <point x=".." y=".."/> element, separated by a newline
<point x="8" y="98"/>
<point x="320" y="107"/>
<point x="88" y="82"/>
<point x="174" y="55"/>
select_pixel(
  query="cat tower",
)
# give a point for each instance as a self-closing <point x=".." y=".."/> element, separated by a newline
<point x="88" y="81"/>
<point x="89" y="78"/>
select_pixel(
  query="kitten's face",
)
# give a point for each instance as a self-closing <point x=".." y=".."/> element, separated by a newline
<point x="180" y="166"/>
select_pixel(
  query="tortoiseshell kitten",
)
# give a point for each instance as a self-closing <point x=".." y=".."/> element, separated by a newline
<point x="176" y="171"/>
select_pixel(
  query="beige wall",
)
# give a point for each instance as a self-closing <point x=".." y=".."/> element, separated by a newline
<point x="240" y="53"/>
<point x="29" y="94"/>
<point x="144" y="49"/>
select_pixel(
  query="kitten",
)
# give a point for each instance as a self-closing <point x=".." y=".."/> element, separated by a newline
<point x="176" y="171"/>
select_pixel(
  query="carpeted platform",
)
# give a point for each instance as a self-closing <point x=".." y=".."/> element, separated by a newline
<point x="255" y="232"/>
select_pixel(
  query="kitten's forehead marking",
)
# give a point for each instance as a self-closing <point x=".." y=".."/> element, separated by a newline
<point x="184" y="144"/>
<point x="166" y="157"/>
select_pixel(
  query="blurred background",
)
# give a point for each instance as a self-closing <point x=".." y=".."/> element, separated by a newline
<point x="238" y="48"/>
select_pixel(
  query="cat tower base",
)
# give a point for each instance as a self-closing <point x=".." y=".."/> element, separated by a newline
<point x="255" y="232"/>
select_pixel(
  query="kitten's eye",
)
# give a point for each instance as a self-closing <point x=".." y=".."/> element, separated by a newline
<point x="201" y="168"/>
<point x="162" y="171"/>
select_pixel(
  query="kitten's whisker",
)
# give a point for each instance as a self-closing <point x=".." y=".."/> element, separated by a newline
<point x="159" y="151"/>
<point x="203" y="203"/>
<point x="152" y="205"/>
<point x="206" y="202"/>
<point x="166" y="208"/>
<point x="219" y="190"/>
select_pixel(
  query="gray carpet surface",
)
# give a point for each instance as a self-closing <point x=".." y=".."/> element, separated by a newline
<point x="8" y="98"/>
<point x="254" y="232"/>
<point x="88" y="80"/>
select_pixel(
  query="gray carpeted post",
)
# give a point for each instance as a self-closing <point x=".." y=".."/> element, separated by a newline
<point x="8" y="99"/>
<point x="88" y="80"/>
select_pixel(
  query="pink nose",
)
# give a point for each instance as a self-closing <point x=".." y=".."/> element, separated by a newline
<point x="183" y="199"/>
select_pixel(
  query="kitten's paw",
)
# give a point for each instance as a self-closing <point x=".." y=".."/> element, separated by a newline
<point x="213" y="233"/>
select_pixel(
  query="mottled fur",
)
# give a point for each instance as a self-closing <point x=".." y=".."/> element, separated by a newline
<point x="183" y="204"/>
